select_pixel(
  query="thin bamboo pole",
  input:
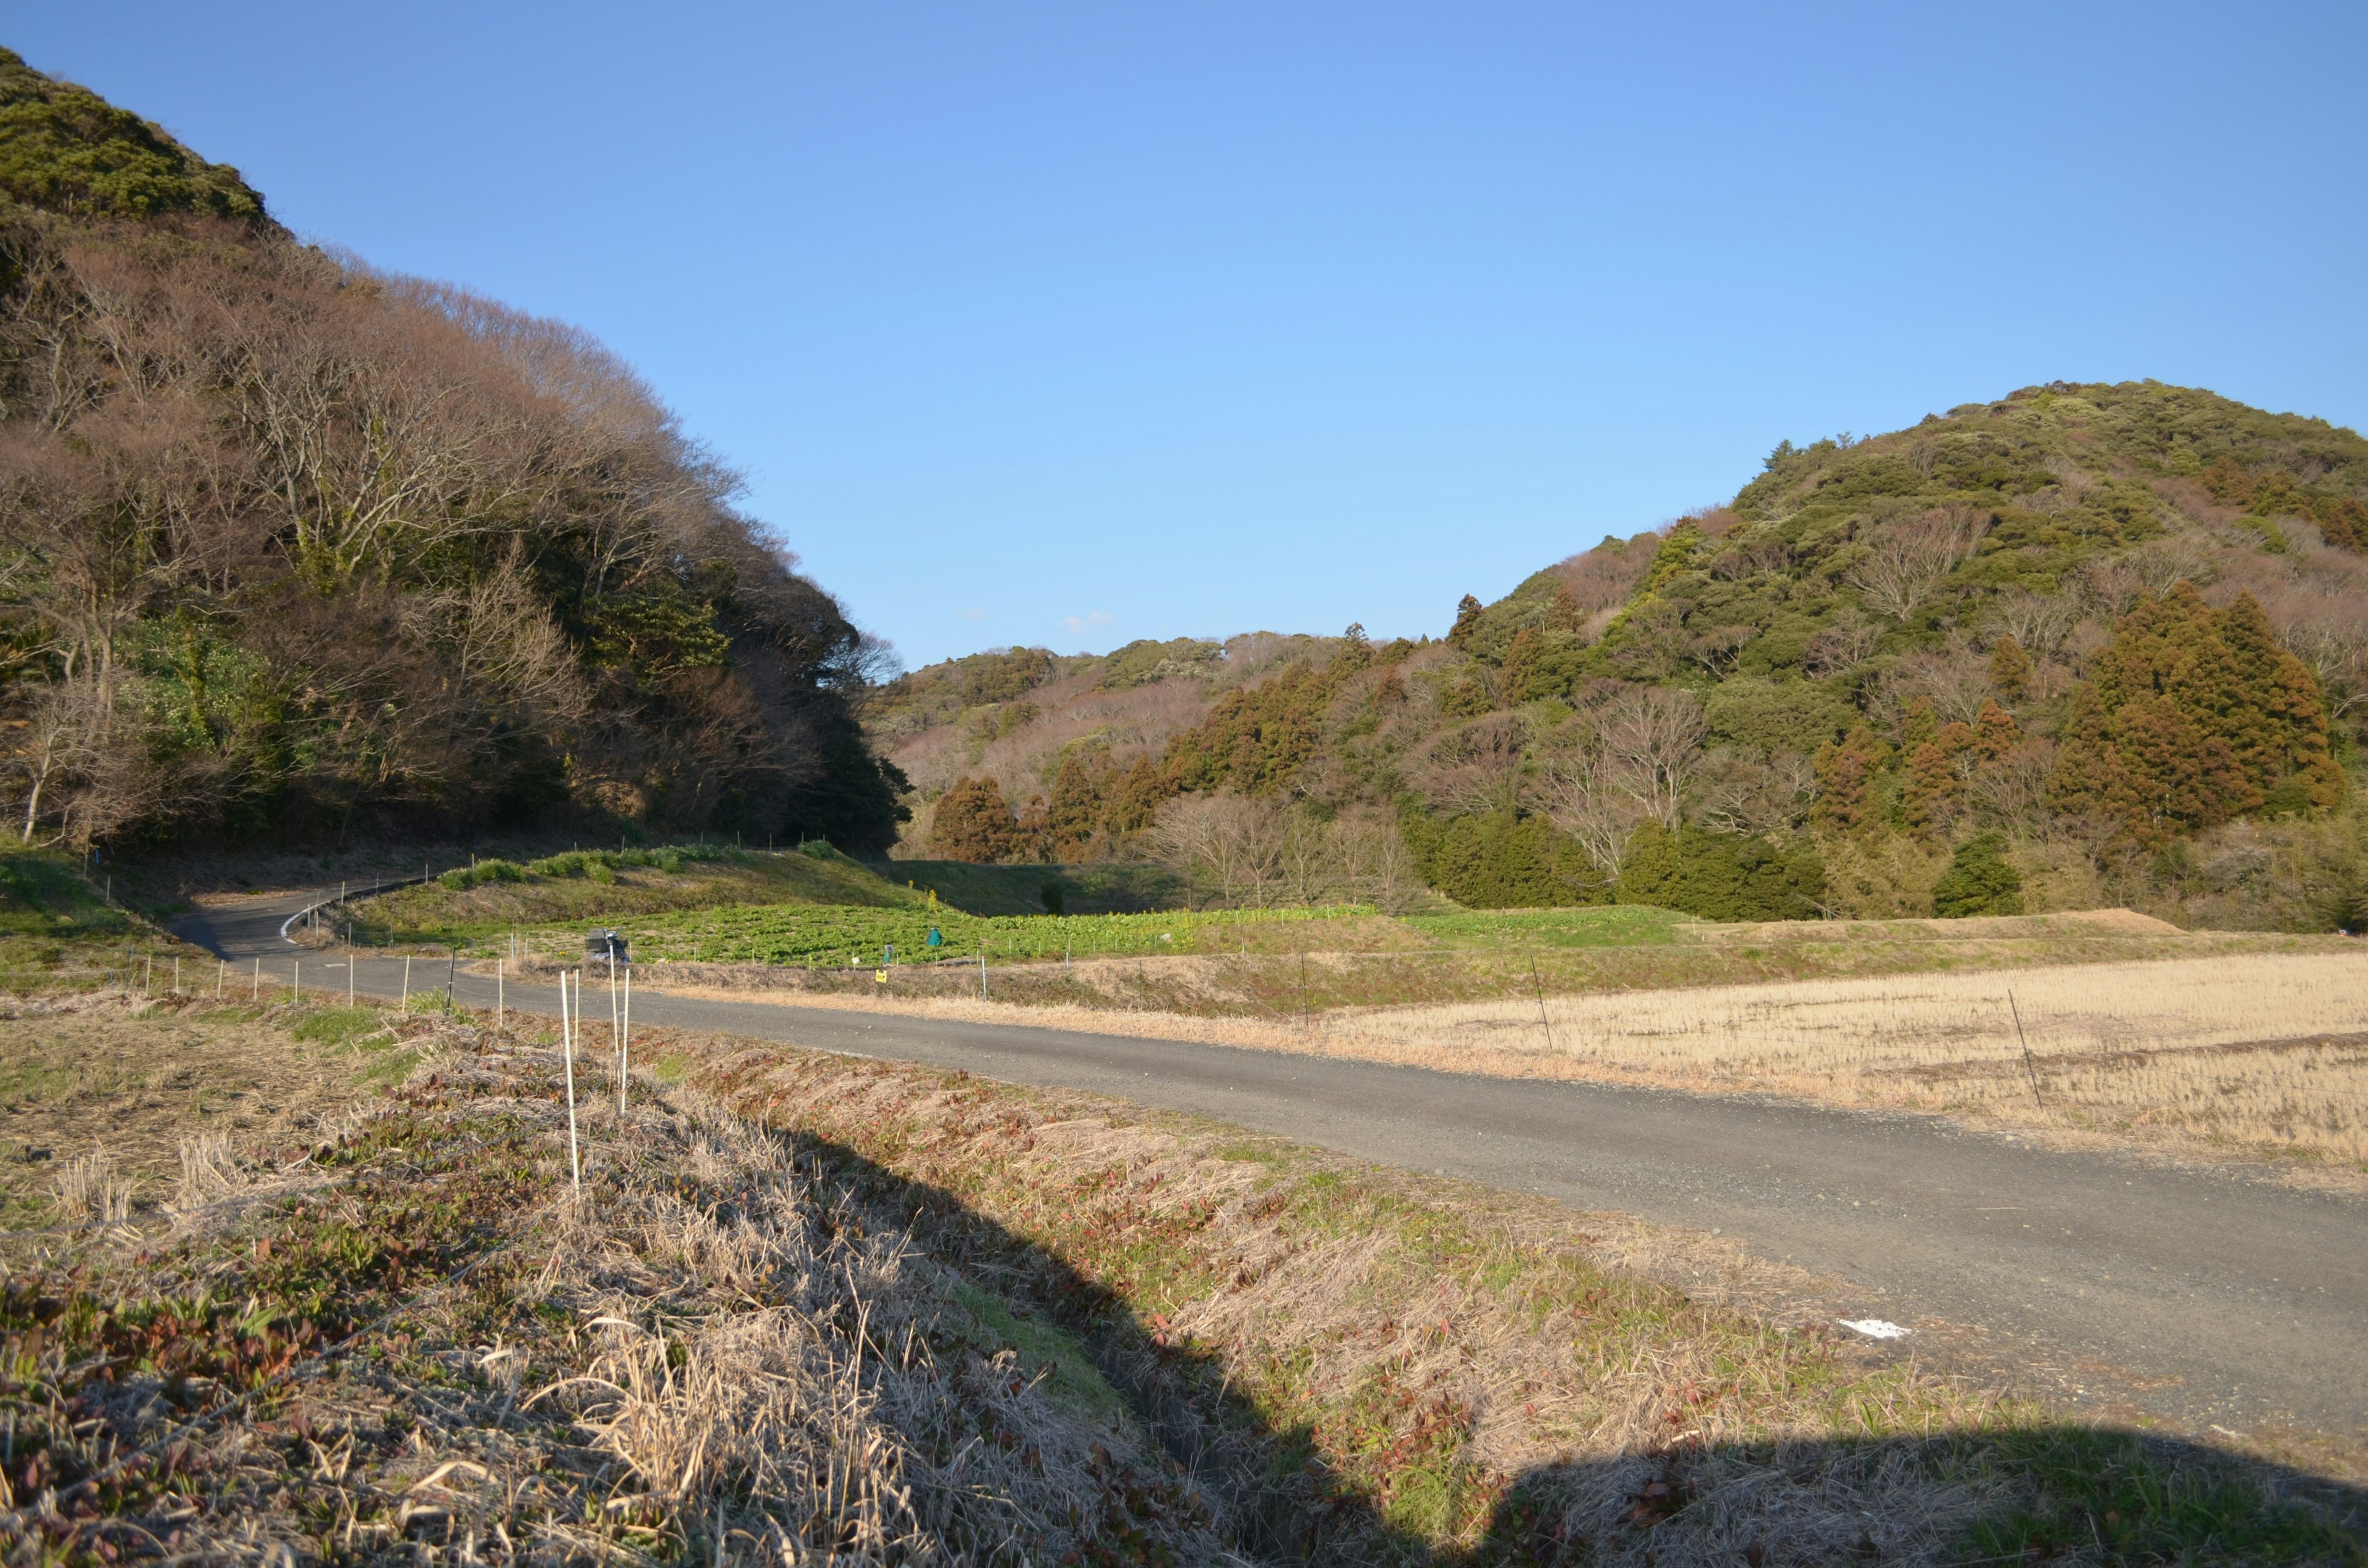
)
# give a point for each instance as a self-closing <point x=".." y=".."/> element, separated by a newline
<point x="625" y="1042"/>
<point x="567" y="1053"/>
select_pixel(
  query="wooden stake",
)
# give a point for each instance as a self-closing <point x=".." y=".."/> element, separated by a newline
<point x="1541" y="988"/>
<point x="2026" y="1066"/>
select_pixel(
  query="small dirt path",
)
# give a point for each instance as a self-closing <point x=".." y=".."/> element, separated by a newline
<point x="2205" y="1298"/>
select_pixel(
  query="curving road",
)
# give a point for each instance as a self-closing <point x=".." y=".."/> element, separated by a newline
<point x="2208" y="1297"/>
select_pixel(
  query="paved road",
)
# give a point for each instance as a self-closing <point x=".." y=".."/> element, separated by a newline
<point x="2254" y="1296"/>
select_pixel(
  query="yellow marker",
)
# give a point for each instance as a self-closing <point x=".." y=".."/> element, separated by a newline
<point x="881" y="977"/>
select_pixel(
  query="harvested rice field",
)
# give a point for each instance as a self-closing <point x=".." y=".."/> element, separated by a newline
<point x="2237" y="1050"/>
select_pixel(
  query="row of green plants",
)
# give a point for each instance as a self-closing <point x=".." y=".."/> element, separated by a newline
<point x="847" y="934"/>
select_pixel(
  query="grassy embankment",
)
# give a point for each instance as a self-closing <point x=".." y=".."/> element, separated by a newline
<point x="810" y="1303"/>
<point x="481" y="903"/>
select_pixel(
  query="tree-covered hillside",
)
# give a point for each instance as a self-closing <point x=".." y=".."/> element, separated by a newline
<point x="290" y="545"/>
<point x="66" y="149"/>
<point x="2085" y="644"/>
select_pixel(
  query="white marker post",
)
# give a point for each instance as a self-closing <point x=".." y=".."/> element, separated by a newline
<point x="616" y="1034"/>
<point x="567" y="1053"/>
<point x="404" y="1005"/>
<point x="501" y="998"/>
<point x="296" y="982"/>
<point x="255" y="986"/>
<point x="625" y="1042"/>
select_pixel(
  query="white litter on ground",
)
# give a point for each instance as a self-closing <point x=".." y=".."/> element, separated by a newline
<point x="1873" y="1328"/>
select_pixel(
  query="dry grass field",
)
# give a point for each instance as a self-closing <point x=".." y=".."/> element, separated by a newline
<point x="85" y="1074"/>
<point x="2263" y="1052"/>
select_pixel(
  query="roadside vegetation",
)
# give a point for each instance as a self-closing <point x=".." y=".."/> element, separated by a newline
<point x="810" y="1306"/>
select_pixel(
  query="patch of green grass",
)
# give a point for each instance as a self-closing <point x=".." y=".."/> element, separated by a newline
<point x="43" y="894"/>
<point x="1610" y="926"/>
<point x="1073" y="1382"/>
<point x="339" y="1026"/>
<point x="392" y="1067"/>
<point x="2140" y="1503"/>
<point x="24" y="1081"/>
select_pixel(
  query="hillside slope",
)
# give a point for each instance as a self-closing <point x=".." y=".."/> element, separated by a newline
<point x="290" y="544"/>
<point x="2082" y="645"/>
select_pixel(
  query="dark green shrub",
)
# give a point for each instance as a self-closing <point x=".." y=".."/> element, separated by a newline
<point x="460" y="879"/>
<point x="1720" y="876"/>
<point x="1978" y="880"/>
<point x="1501" y="861"/>
<point x="1053" y="897"/>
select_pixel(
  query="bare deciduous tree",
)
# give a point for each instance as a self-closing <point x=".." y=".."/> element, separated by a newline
<point x="1955" y="680"/>
<point x="1909" y="557"/>
<point x="1654" y="736"/>
<point x="2039" y="622"/>
<point x="1232" y="846"/>
<point x="1748" y="796"/>
<point x="1584" y="801"/>
<point x="1484" y="767"/>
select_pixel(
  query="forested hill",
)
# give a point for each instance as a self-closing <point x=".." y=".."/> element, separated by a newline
<point x="2082" y="645"/>
<point x="289" y="545"/>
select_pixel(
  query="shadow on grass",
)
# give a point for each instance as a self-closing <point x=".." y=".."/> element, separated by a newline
<point x="2034" y="1492"/>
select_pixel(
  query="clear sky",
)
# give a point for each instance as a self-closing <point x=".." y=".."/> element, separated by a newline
<point x="1073" y="323"/>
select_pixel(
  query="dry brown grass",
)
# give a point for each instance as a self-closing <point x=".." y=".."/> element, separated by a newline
<point x="2242" y="1052"/>
<point x="868" y="1333"/>
<point x="104" y="1071"/>
<point x="711" y="1354"/>
<point x="1434" y="1342"/>
<point x="1480" y="1372"/>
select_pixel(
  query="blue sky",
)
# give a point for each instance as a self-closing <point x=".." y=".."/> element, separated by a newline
<point x="1071" y="324"/>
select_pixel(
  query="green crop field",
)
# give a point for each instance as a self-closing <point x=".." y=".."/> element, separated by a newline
<point x="824" y="935"/>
